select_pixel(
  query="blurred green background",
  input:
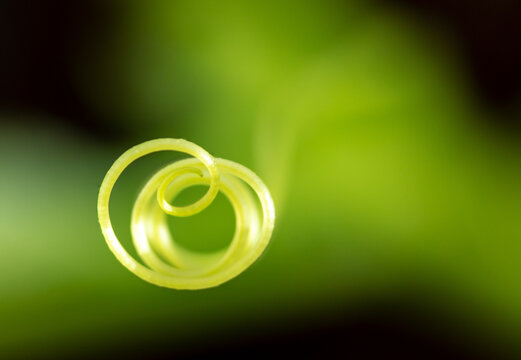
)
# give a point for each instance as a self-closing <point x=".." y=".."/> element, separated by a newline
<point x="396" y="178"/>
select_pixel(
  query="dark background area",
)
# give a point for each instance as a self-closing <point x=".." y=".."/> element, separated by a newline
<point x="39" y="39"/>
<point x="37" y="42"/>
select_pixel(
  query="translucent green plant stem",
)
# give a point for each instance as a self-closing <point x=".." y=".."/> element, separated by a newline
<point x="165" y="262"/>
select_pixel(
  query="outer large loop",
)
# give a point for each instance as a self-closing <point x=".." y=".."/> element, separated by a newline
<point x="237" y="258"/>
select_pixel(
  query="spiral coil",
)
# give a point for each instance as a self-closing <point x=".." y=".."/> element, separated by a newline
<point x="167" y="263"/>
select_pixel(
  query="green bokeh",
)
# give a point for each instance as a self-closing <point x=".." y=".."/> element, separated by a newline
<point x="356" y="117"/>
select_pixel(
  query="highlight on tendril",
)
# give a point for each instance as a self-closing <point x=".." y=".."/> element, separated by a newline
<point x="164" y="262"/>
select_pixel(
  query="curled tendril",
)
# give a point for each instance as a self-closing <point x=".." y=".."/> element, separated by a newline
<point x="166" y="263"/>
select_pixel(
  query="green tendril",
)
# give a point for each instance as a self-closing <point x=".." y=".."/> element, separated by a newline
<point x="177" y="267"/>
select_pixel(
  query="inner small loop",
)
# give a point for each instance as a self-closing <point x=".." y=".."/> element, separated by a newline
<point x="161" y="191"/>
<point x="205" y="158"/>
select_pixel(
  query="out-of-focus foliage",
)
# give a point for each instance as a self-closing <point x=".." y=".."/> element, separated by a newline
<point x="354" y="116"/>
